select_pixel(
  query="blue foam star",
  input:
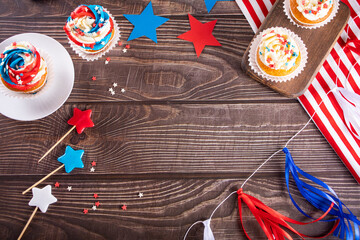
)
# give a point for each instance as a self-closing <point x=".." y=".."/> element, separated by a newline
<point x="211" y="3"/>
<point x="145" y="24"/>
<point x="72" y="159"/>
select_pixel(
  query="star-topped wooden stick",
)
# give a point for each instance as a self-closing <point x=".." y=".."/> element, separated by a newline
<point x="42" y="198"/>
<point x="80" y="120"/>
<point x="70" y="160"/>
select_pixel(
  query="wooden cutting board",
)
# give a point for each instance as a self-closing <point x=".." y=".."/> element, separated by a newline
<point x="319" y="43"/>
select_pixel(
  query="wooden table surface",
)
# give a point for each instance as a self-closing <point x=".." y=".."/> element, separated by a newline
<point x="186" y="132"/>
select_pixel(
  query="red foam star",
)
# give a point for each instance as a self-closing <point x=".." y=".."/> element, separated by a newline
<point x="57" y="184"/>
<point x="97" y="204"/>
<point x="96" y="195"/>
<point x="85" y="211"/>
<point x="124" y="207"/>
<point x="93" y="163"/>
<point x="93" y="78"/>
<point x="81" y="119"/>
<point x="200" y="34"/>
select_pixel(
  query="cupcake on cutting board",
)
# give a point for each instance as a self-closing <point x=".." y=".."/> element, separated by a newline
<point x="311" y="12"/>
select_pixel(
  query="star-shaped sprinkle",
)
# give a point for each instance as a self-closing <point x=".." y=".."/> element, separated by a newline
<point x="85" y="211"/>
<point x="42" y="198"/>
<point x="145" y="24"/>
<point x="123" y="90"/>
<point x="127" y="46"/>
<point x="57" y="184"/>
<point x="72" y="159"/>
<point x="200" y="34"/>
<point x="111" y="89"/>
<point x="211" y="3"/>
<point x="81" y="119"/>
<point x="69" y="188"/>
<point x="140" y="195"/>
<point x="120" y="43"/>
<point x="106" y="62"/>
<point x="124" y="50"/>
<point x="92" y="169"/>
<point x="96" y="195"/>
<point x="93" y="208"/>
<point x="20" y="82"/>
<point x="124" y="207"/>
<point x="108" y="59"/>
<point x="93" y="163"/>
<point x="115" y="84"/>
<point x="93" y="78"/>
<point x="97" y="203"/>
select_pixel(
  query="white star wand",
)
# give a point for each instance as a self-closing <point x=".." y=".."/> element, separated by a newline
<point x="42" y="198"/>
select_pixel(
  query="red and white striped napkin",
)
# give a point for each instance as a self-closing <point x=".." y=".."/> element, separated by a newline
<point x="329" y="116"/>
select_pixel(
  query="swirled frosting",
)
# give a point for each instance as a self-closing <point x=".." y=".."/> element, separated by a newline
<point x="89" y="27"/>
<point x="314" y="9"/>
<point x="278" y="50"/>
<point x="21" y="66"/>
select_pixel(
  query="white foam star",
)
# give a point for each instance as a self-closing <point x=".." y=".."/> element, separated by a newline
<point x="42" y="198"/>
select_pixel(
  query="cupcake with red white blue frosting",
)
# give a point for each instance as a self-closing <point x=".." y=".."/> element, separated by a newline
<point x="22" y="68"/>
<point x="91" y="29"/>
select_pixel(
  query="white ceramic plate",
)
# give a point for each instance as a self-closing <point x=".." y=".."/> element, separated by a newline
<point x="54" y="93"/>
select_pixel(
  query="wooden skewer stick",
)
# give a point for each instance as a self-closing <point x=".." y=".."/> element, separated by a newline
<point x="62" y="138"/>
<point x="43" y="179"/>
<point x="28" y="222"/>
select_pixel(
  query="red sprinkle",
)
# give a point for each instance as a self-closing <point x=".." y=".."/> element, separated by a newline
<point x="272" y="66"/>
<point x="93" y="78"/>
<point x="287" y="51"/>
<point x="97" y="203"/>
<point x="124" y="207"/>
<point x="272" y="50"/>
<point x="272" y="31"/>
<point x="108" y="59"/>
<point x="93" y="163"/>
<point x="325" y="5"/>
<point x="96" y="195"/>
<point x="120" y="43"/>
<point x="127" y="46"/>
<point x="268" y="59"/>
<point x="306" y="11"/>
<point x="14" y="44"/>
<point x="100" y="24"/>
<point x="94" y="24"/>
<point x="2" y="55"/>
<point x="85" y="211"/>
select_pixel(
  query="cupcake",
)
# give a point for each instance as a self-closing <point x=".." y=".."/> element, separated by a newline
<point x="22" y="68"/>
<point x="278" y="53"/>
<point x="311" y="12"/>
<point x="90" y="28"/>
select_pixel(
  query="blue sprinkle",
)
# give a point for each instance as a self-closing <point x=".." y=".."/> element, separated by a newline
<point x="21" y="74"/>
<point x="260" y="53"/>
<point x="286" y="64"/>
<point x="310" y="11"/>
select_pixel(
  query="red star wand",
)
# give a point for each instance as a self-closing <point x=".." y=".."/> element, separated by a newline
<point x="80" y="120"/>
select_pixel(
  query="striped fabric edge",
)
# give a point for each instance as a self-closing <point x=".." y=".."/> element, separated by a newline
<point x="329" y="117"/>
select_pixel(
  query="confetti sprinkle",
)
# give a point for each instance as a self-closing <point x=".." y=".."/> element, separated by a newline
<point x="69" y="188"/>
<point x="115" y="84"/>
<point x="120" y="43"/>
<point x="111" y="89"/>
<point x="123" y="90"/>
<point x="93" y="208"/>
<point x="57" y="184"/>
<point x="112" y="93"/>
<point x="96" y="195"/>
<point x="93" y="163"/>
<point x="108" y="59"/>
<point x="124" y="207"/>
<point x="97" y="203"/>
<point x="85" y="211"/>
<point x="140" y="195"/>
<point x="93" y="78"/>
<point x="127" y="46"/>
<point x="124" y="50"/>
<point x="92" y="169"/>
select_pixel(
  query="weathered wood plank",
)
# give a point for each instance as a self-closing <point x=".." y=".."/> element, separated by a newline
<point x="161" y="139"/>
<point x="167" y="209"/>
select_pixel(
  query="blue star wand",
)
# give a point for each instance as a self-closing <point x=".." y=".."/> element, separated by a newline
<point x="70" y="160"/>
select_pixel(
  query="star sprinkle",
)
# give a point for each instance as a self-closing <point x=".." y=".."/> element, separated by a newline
<point x="42" y="198"/>
<point x="69" y="188"/>
<point x="140" y="195"/>
<point x="92" y="169"/>
<point x="81" y="119"/>
<point x="96" y="195"/>
<point x="124" y="207"/>
<point x="97" y="204"/>
<point x="93" y="163"/>
<point x="120" y="43"/>
<point x="72" y="159"/>
<point x="124" y="50"/>
<point x="57" y="184"/>
<point x="127" y="46"/>
<point x="145" y="24"/>
<point x="85" y="211"/>
<point x="93" y="208"/>
<point x="200" y="34"/>
<point x="211" y="3"/>
<point x="123" y="90"/>
<point x="93" y="78"/>
<point x="115" y="84"/>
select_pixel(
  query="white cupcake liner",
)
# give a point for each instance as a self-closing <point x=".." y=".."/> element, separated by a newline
<point x="255" y="66"/>
<point x="49" y="81"/>
<point x="311" y="26"/>
<point x="89" y="56"/>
